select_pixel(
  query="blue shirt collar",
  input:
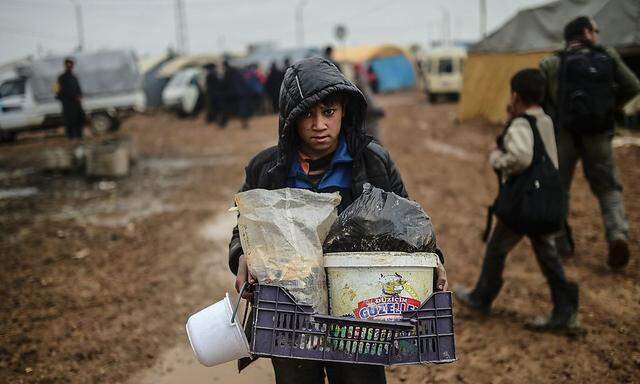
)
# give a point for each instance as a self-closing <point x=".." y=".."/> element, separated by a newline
<point x="341" y="155"/>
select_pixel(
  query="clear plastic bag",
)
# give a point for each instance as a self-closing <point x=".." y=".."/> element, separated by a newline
<point x="282" y="232"/>
<point x="380" y="221"/>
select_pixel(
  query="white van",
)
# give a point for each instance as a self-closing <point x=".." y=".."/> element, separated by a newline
<point x="110" y="82"/>
<point x="441" y="70"/>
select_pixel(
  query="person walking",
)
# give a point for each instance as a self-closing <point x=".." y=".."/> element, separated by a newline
<point x="526" y="146"/>
<point x="585" y="81"/>
<point x="67" y="90"/>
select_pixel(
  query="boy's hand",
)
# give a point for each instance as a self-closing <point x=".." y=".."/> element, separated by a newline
<point x="510" y="112"/>
<point x="441" y="274"/>
<point x="244" y="276"/>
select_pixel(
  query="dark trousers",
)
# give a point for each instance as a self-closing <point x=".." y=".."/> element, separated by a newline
<point x="293" y="371"/>
<point x="596" y="153"/>
<point x="73" y="116"/>
<point x="564" y="294"/>
<point x="73" y="131"/>
<point x="213" y="105"/>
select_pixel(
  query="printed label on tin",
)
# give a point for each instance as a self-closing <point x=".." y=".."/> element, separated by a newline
<point x="398" y="296"/>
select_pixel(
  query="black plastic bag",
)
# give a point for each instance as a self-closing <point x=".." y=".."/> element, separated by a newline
<point x="380" y="221"/>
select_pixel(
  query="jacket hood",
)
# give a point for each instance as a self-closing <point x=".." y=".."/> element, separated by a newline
<point x="308" y="82"/>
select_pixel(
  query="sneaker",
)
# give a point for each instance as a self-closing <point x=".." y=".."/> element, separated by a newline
<point x="618" y="254"/>
<point x="464" y="296"/>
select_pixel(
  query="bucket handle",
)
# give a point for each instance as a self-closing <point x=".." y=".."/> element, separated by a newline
<point x="235" y="310"/>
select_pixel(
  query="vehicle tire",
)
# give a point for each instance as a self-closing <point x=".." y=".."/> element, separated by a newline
<point x="432" y="97"/>
<point x="7" y="136"/>
<point x="102" y="123"/>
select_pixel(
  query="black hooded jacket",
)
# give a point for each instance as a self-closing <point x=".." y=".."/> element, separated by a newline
<point x="305" y="84"/>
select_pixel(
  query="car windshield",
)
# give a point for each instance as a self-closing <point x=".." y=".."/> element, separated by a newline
<point x="445" y="66"/>
<point x="12" y="87"/>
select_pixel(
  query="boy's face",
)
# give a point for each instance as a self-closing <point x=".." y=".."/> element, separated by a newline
<point x="319" y="128"/>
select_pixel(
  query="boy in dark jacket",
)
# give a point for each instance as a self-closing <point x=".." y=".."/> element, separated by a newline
<point x="322" y="147"/>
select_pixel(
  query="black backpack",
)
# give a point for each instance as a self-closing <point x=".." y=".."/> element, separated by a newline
<point x="586" y="90"/>
<point x="534" y="201"/>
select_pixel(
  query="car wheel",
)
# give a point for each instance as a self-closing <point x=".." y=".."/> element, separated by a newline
<point x="102" y="123"/>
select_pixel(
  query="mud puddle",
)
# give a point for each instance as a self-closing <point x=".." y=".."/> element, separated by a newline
<point x="116" y="213"/>
<point x="17" y="193"/>
<point x="179" y="164"/>
<point x="449" y="150"/>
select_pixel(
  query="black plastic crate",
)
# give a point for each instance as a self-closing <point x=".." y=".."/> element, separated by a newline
<point x="284" y="328"/>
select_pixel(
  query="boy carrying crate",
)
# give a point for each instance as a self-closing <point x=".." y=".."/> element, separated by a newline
<point x="322" y="147"/>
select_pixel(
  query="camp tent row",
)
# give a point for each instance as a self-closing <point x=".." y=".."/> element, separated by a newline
<point x="533" y="34"/>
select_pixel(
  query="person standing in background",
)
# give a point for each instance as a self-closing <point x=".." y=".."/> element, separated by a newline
<point x="213" y="93"/>
<point x="67" y="90"/>
<point x="272" y="86"/>
<point x="374" y="111"/>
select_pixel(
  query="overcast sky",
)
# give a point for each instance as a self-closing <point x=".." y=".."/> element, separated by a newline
<point x="148" y="26"/>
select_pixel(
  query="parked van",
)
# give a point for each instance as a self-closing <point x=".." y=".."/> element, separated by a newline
<point x="110" y="83"/>
<point x="441" y="70"/>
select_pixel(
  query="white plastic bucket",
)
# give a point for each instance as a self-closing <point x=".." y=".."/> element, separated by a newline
<point x="214" y="338"/>
<point x="378" y="285"/>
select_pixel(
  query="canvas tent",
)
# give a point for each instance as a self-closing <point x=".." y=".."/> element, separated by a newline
<point x="390" y="63"/>
<point x="265" y="57"/>
<point x="179" y="63"/>
<point x="531" y="35"/>
<point x="100" y="73"/>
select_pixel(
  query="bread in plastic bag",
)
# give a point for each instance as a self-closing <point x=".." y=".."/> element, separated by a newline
<point x="380" y="221"/>
<point x="282" y="232"/>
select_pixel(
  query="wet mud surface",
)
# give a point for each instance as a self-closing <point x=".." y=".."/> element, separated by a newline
<point x="98" y="277"/>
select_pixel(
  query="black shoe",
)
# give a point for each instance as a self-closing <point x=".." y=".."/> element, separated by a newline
<point x="464" y="296"/>
<point x="618" y="254"/>
<point x="567" y="324"/>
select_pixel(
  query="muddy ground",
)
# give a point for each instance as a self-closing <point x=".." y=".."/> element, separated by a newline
<point x="97" y="279"/>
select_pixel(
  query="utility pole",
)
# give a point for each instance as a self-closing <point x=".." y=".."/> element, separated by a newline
<point x="181" y="27"/>
<point x="300" y="22"/>
<point x="79" y="25"/>
<point x="446" y="26"/>
<point x="483" y="18"/>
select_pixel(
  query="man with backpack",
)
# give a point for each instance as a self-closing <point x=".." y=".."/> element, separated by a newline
<point x="530" y="203"/>
<point x="585" y="84"/>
